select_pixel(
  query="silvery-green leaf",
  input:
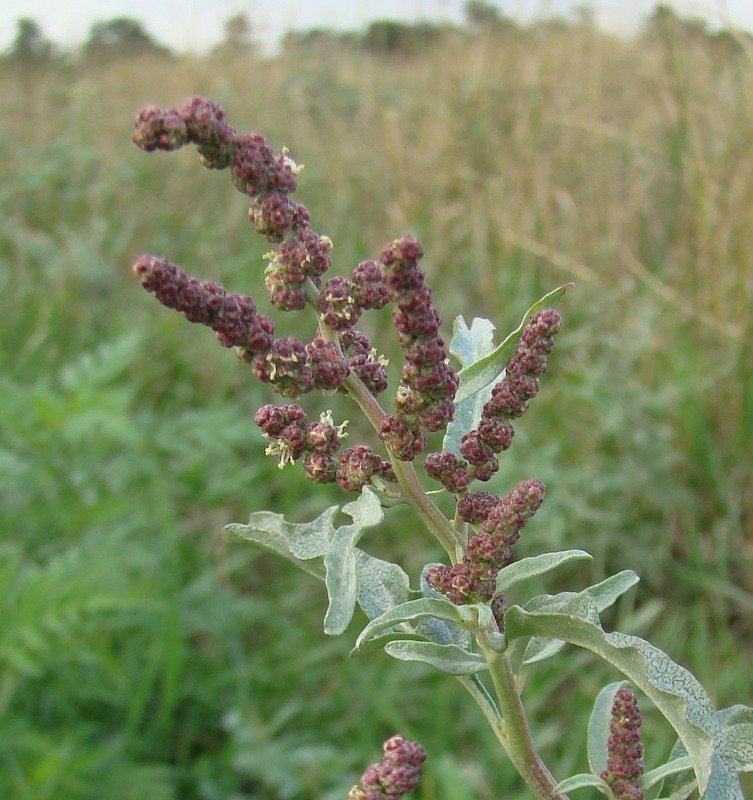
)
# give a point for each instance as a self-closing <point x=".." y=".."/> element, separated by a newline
<point x="445" y="657"/>
<point x="674" y="767"/>
<point x="587" y="604"/>
<point x="477" y="616"/>
<point x="469" y="345"/>
<point x="341" y="560"/>
<point x="737" y="722"/>
<point x="607" y="592"/>
<point x="584" y="781"/>
<point x="296" y="542"/>
<point x="535" y="565"/>
<point x="679" y="785"/>
<point x="381" y="584"/>
<point x="675" y="692"/>
<point x="411" y="611"/>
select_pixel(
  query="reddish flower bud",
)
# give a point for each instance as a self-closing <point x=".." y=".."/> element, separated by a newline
<point x="337" y="304"/>
<point x="358" y="465"/>
<point x="624" y="748"/>
<point x="274" y="214"/>
<point x="251" y="164"/>
<point x="159" y="129"/>
<point x="329" y="365"/>
<point x="405" y="441"/>
<point x="320" y="468"/>
<point x="475" y="507"/>
<point x="369" y="288"/>
<point x="395" y="775"/>
<point x="285" y="367"/>
<point x="449" y="470"/>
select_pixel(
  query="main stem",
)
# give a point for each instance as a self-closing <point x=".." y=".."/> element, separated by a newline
<point x="516" y="735"/>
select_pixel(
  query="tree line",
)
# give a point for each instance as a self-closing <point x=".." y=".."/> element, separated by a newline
<point x="125" y="37"/>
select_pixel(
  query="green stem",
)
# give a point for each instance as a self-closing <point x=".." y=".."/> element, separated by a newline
<point x="412" y="491"/>
<point x="516" y="735"/>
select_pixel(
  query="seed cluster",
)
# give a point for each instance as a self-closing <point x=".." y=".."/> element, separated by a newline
<point x="473" y="579"/>
<point x="232" y="317"/>
<point x="425" y="398"/>
<point x="395" y="775"/>
<point x="624" y="748"/>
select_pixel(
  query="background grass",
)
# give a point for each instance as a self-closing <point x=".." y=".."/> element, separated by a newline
<point x="144" y="656"/>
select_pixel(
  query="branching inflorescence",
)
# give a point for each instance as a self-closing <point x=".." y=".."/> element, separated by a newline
<point x="339" y="356"/>
<point x="458" y="621"/>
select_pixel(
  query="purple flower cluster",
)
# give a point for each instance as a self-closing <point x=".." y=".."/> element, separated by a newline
<point x="232" y="317"/>
<point x="395" y="775"/>
<point x="268" y="179"/>
<point x="295" y="268"/>
<point x="511" y="396"/>
<point x="360" y="466"/>
<point x="425" y="396"/>
<point x="624" y="748"/>
<point x="292" y="437"/>
<point x="343" y="300"/>
<point x="364" y="361"/>
<point x="297" y="259"/>
<point x="473" y="579"/>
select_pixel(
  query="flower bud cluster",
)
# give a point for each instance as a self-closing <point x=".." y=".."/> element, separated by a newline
<point x="624" y="748"/>
<point x="473" y="579"/>
<point x="427" y="391"/>
<point x="297" y="259"/>
<point x="232" y="317"/>
<point x="360" y="466"/>
<point x="256" y="171"/>
<point x="510" y="398"/>
<point x="395" y="775"/>
<point x="292" y="437"/>
<point x="364" y="360"/>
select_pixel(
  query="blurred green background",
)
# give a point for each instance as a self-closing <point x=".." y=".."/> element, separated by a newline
<point x="142" y="655"/>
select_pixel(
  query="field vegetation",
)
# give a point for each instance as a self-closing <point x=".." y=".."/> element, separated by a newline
<point x="141" y="653"/>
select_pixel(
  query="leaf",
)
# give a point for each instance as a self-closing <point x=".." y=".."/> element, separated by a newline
<point x="412" y="611"/>
<point x="602" y="595"/>
<point x="483" y="365"/>
<point x="681" y="784"/>
<point x="296" y="542"/>
<point x="447" y="658"/>
<point x="674" y="767"/>
<point x="584" y="781"/>
<point x="472" y="344"/>
<point x="737" y="722"/>
<point x="673" y="690"/>
<point x="340" y="561"/>
<point x="535" y="565"/>
<point x="607" y="592"/>
<point x="381" y="584"/>
<point x="330" y="554"/>
<point x="598" y="727"/>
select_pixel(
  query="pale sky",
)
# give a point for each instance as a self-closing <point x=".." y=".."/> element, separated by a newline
<point x="198" y="24"/>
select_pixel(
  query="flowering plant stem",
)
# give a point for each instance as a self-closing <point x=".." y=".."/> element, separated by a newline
<point x="457" y="620"/>
<point x="513" y="731"/>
